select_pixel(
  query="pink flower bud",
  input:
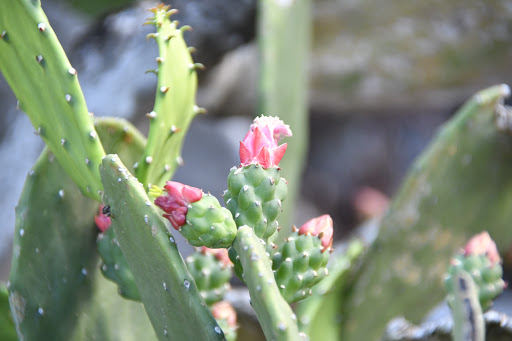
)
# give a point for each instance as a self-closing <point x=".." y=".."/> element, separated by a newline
<point x="322" y="227"/>
<point x="221" y="255"/>
<point x="482" y="244"/>
<point x="102" y="220"/>
<point x="223" y="310"/>
<point x="260" y="145"/>
<point x="175" y="202"/>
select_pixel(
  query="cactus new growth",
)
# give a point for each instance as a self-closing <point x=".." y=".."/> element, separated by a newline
<point x="300" y="262"/>
<point x="211" y="270"/>
<point x="481" y="261"/>
<point x="198" y="216"/>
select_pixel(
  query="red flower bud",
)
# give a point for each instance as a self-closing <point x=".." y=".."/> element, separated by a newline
<point x="102" y="220"/>
<point x="482" y="244"/>
<point x="322" y="227"/>
<point x="260" y="145"/>
<point x="175" y="202"/>
<point x="221" y="255"/>
<point x="223" y="310"/>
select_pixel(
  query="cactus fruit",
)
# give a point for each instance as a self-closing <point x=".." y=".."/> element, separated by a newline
<point x="211" y="270"/>
<point x="166" y="287"/>
<point x="300" y="262"/>
<point x="174" y="102"/>
<point x="255" y="197"/>
<point x="481" y="261"/>
<point x="198" y="216"/>
<point x="275" y="315"/>
<point x="114" y="265"/>
<point x="47" y="89"/>
<point x="255" y="189"/>
<point x="225" y="315"/>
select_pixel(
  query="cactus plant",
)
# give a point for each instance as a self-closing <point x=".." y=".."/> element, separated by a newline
<point x="7" y="330"/>
<point x="47" y="89"/>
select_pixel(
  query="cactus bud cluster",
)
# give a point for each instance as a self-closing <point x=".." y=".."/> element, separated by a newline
<point x="211" y="270"/>
<point x="300" y="262"/>
<point x="225" y="315"/>
<point x="481" y="260"/>
<point x="198" y="216"/>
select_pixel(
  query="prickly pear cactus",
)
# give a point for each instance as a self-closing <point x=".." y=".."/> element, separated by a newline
<point x="56" y="289"/>
<point x="170" y="297"/>
<point x="254" y="197"/>
<point x="211" y="275"/>
<point x="460" y="184"/>
<point x="299" y="264"/>
<point x="47" y="89"/>
<point x="175" y="104"/>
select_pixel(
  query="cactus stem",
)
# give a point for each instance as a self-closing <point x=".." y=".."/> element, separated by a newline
<point x="72" y="71"/>
<point x="39" y="58"/>
<point x="41" y="27"/>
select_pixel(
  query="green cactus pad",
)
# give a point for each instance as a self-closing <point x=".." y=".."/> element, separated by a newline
<point x="208" y="224"/>
<point x="299" y="264"/>
<point x="460" y="184"/>
<point x="275" y="315"/>
<point x="254" y="197"/>
<point x="486" y="276"/>
<point x="56" y="289"/>
<point x="175" y="104"/>
<point x="114" y="265"/>
<point x="211" y="276"/>
<point x="47" y="89"/>
<point x="167" y="289"/>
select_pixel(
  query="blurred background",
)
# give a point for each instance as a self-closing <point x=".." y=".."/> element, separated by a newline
<point x="382" y="77"/>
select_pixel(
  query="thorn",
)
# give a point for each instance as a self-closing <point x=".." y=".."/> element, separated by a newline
<point x="62" y="142"/>
<point x="68" y="98"/>
<point x="196" y="66"/>
<point x="3" y="35"/>
<point x="167" y="168"/>
<point x="149" y="159"/>
<point x="72" y="71"/>
<point x="151" y="35"/>
<point x="185" y="28"/>
<point x="41" y="27"/>
<point x="159" y="59"/>
<point x="199" y="110"/>
<point x="294" y="229"/>
<point x="87" y="161"/>
<point x="191" y="49"/>
<point x="174" y="129"/>
<point x="39" y="58"/>
<point x="171" y="12"/>
<point x="179" y="161"/>
<point x="169" y="37"/>
<point x="135" y="165"/>
<point x="93" y="134"/>
<point x="155" y="71"/>
<point x="151" y="114"/>
<point x="175" y="23"/>
<point x="164" y="89"/>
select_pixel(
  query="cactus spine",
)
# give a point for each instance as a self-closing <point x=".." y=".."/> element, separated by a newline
<point x="174" y="103"/>
<point x="47" y="89"/>
<point x="138" y="228"/>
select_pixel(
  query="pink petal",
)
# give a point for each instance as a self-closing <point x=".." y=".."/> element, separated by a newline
<point x="245" y="154"/>
<point x="264" y="158"/>
<point x="260" y="141"/>
<point x="191" y="194"/>
<point x="278" y="153"/>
